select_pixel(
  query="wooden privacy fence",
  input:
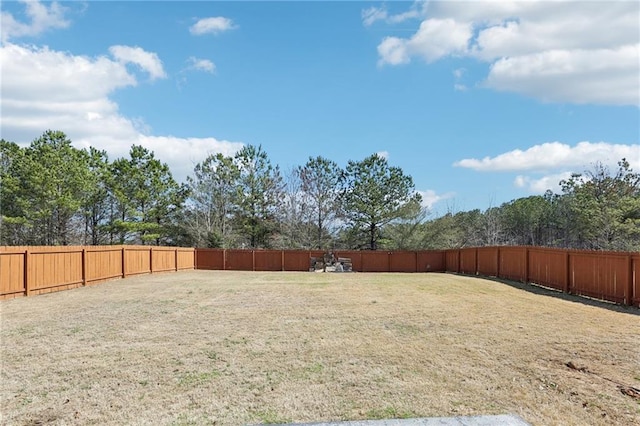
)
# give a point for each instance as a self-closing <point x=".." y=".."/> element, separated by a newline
<point x="603" y="275"/>
<point x="298" y="260"/>
<point x="35" y="270"/>
<point x="610" y="276"/>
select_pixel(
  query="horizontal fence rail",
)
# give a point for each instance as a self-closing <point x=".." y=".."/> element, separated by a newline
<point x="35" y="270"/>
<point x="609" y="276"/>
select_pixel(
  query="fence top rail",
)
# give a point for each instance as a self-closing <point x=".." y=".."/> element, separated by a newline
<point x="120" y="246"/>
<point x="161" y="247"/>
<point x="79" y="249"/>
<point x="549" y="249"/>
<point x="42" y="250"/>
<point x="102" y="249"/>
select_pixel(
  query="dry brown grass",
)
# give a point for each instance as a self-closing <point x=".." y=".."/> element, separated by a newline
<point x="206" y="347"/>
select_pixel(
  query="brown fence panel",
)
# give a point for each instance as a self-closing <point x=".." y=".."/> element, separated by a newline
<point x="431" y="261"/>
<point x="185" y="258"/>
<point x="163" y="259"/>
<point x="452" y="260"/>
<point x="635" y="280"/>
<point x="549" y="267"/>
<point x="403" y="261"/>
<point x="375" y="261"/>
<point x="12" y="273"/>
<point x="54" y="269"/>
<point x="268" y="260"/>
<point x="102" y="263"/>
<point x="600" y="275"/>
<point x="212" y="259"/>
<point x="488" y="261"/>
<point x="26" y="270"/>
<point x="468" y="261"/>
<point x="513" y="263"/>
<point x="137" y="260"/>
<point x="296" y="260"/>
<point x="239" y="260"/>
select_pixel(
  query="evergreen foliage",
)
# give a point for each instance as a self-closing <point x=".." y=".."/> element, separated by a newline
<point x="52" y="193"/>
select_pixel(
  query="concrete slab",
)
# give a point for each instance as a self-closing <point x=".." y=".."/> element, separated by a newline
<point x="499" y="420"/>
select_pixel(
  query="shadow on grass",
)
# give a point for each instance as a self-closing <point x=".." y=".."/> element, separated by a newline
<point x="558" y="294"/>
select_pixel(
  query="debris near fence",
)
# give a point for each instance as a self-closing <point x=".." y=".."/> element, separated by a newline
<point x="345" y="263"/>
<point x="329" y="263"/>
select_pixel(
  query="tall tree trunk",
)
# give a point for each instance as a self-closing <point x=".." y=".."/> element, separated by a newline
<point x="373" y="242"/>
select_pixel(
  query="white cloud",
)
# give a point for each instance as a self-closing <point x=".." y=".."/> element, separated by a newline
<point x="42" y="89"/>
<point x="147" y="61"/>
<point x="41" y="19"/>
<point x="383" y="154"/>
<point x="542" y="184"/>
<point x="560" y="51"/>
<point x="524" y="28"/>
<point x="213" y="25"/>
<point x="457" y="75"/>
<point x="35" y="74"/>
<point x="430" y="198"/>
<point x="603" y="76"/>
<point x="553" y="155"/>
<point x="393" y="51"/>
<point x="373" y="14"/>
<point x="205" y="65"/>
<point x="549" y="163"/>
<point x="435" y="39"/>
<point x="47" y="89"/>
<point x="182" y="154"/>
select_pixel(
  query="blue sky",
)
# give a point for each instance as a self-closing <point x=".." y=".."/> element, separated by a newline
<point x="480" y="102"/>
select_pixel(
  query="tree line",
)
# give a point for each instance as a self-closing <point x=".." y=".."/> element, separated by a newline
<point x="52" y="193"/>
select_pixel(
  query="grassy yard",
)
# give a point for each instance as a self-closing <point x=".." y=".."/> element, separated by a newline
<point x="206" y="347"/>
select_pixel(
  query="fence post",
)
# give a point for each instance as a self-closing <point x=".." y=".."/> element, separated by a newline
<point x="124" y="265"/>
<point x="282" y="260"/>
<point x="84" y="266"/>
<point x="176" y="259"/>
<point x="253" y="260"/>
<point x="629" y="296"/>
<point x="475" y="257"/>
<point x="498" y="263"/>
<point x="224" y="259"/>
<point x="416" y="253"/>
<point x="459" y="258"/>
<point x="27" y="289"/>
<point x="567" y="278"/>
<point x="526" y="265"/>
<point x="151" y="260"/>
